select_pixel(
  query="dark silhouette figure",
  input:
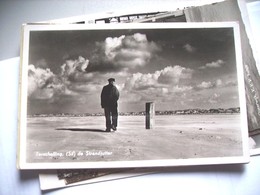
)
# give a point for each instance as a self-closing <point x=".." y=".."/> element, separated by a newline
<point x="109" y="98"/>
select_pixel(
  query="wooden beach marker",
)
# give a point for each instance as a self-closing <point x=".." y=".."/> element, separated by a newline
<point x="149" y="115"/>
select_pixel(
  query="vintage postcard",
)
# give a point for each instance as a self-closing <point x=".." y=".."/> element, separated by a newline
<point x="131" y="95"/>
<point x="54" y="179"/>
<point x="209" y="11"/>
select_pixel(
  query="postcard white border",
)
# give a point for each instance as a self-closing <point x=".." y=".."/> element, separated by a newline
<point x="21" y="160"/>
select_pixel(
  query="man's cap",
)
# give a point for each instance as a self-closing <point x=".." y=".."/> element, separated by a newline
<point x="111" y="79"/>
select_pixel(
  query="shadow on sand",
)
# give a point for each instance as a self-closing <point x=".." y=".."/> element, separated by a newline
<point x="82" y="129"/>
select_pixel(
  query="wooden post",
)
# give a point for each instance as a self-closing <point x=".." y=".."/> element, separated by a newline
<point x="149" y="113"/>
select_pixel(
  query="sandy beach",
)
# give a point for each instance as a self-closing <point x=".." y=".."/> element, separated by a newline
<point x="80" y="139"/>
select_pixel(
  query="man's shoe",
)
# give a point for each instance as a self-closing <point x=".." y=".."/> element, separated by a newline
<point x="107" y="130"/>
<point x="114" y="128"/>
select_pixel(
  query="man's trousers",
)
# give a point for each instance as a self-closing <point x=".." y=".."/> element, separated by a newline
<point x="111" y="115"/>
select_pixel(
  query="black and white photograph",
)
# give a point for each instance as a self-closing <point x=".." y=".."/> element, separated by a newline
<point x="131" y="95"/>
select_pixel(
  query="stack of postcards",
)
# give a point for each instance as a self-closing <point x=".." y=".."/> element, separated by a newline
<point x="124" y="94"/>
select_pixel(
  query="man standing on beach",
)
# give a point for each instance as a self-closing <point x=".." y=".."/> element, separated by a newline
<point x="109" y="98"/>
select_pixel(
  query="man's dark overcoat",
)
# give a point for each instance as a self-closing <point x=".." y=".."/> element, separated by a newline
<point x="109" y="96"/>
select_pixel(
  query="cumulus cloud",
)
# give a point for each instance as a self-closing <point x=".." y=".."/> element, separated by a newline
<point x="181" y="89"/>
<point x="38" y="78"/>
<point x="168" y="76"/>
<point x="205" y="85"/>
<point x="140" y="81"/>
<point x="214" y="98"/>
<point x="189" y="48"/>
<point x="172" y="74"/>
<point x="214" y="64"/>
<point x="124" y="52"/>
<point x="70" y="82"/>
<point x="210" y="84"/>
<point x="44" y="84"/>
<point x="75" y="70"/>
<point x="160" y="84"/>
<point x="215" y="84"/>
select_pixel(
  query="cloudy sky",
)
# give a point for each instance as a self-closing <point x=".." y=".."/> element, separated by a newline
<point x="175" y="68"/>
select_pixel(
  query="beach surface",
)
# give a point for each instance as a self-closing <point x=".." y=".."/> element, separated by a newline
<point x="83" y="139"/>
